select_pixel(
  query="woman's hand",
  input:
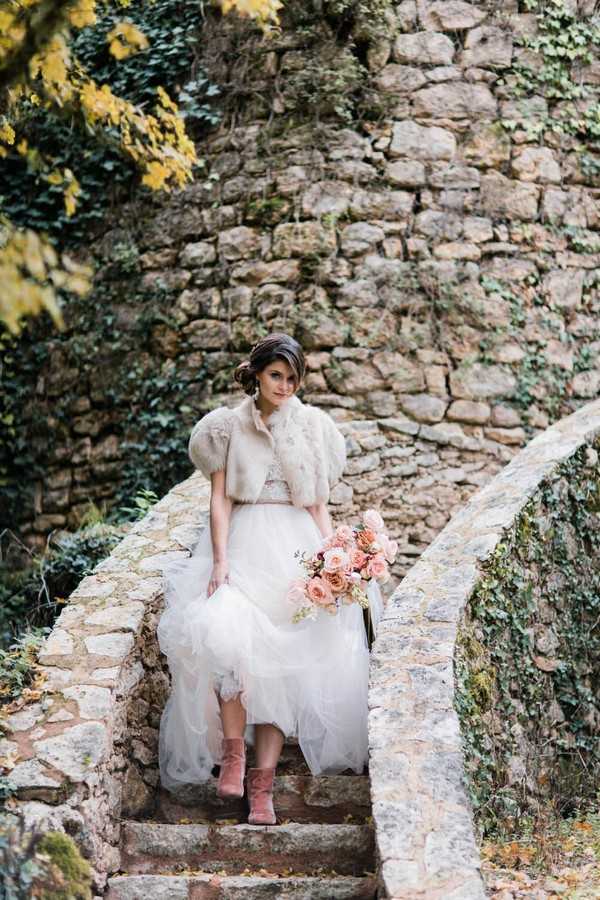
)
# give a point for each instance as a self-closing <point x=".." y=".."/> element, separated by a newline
<point x="218" y="576"/>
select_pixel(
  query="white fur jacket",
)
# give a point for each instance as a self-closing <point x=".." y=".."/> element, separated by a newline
<point x="311" y="449"/>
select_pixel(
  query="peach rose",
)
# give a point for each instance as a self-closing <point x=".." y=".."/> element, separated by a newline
<point x="344" y="535"/>
<point x="336" y="581"/>
<point x="358" y="558"/>
<point x="366" y="538"/>
<point x="336" y="560"/>
<point x="377" y="568"/>
<point x="319" y="592"/>
<point x="373" y="520"/>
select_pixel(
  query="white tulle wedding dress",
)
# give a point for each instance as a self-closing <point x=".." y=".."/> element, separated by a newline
<point x="309" y="679"/>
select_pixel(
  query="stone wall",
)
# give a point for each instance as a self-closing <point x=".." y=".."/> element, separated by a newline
<point x="437" y="262"/>
<point x="421" y="808"/>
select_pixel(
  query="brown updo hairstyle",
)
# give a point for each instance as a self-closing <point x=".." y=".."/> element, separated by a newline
<point x="269" y="348"/>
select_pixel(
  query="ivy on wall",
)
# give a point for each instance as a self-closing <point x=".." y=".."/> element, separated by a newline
<point x="173" y="29"/>
<point x="528" y="655"/>
<point x="563" y="44"/>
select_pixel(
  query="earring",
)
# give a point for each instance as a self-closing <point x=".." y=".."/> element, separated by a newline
<point x="256" y="391"/>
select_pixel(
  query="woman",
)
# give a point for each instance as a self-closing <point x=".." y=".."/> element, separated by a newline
<point x="240" y="669"/>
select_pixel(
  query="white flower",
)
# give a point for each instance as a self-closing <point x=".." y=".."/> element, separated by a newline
<point x="373" y="520"/>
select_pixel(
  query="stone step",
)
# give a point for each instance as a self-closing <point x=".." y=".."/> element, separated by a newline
<point x="299" y="798"/>
<point x="149" y="847"/>
<point x="238" y="887"/>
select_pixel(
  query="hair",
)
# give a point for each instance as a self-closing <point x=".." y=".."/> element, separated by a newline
<point x="269" y="348"/>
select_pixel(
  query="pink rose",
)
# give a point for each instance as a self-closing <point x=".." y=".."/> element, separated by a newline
<point x="336" y="560"/>
<point x="319" y="592"/>
<point x="377" y="568"/>
<point x="297" y="592"/>
<point x="329" y="542"/>
<point x="344" y="535"/>
<point x="373" y="520"/>
<point x="390" y="548"/>
<point x="358" y="558"/>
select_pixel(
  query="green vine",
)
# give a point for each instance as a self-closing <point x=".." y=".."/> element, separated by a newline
<point x="562" y="40"/>
<point x="528" y="709"/>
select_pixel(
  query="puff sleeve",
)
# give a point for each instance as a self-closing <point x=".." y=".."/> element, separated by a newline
<point x="209" y="441"/>
<point x="334" y="447"/>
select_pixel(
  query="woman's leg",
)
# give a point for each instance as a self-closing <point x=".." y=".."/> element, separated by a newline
<point x="233" y="763"/>
<point x="268" y="742"/>
<point x="233" y="717"/>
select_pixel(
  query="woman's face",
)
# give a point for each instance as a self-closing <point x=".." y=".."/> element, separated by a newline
<point x="277" y="382"/>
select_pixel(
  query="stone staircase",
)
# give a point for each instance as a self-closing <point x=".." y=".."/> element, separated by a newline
<point x="198" y="847"/>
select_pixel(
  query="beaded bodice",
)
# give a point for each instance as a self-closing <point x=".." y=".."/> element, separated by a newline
<point x="275" y="488"/>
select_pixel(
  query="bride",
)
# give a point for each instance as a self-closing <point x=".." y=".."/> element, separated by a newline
<point x="241" y="671"/>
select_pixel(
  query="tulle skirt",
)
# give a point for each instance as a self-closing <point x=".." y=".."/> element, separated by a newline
<point x="309" y="679"/>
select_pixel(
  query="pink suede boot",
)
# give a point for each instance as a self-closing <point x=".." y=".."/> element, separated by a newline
<point x="233" y="764"/>
<point x="260" y="796"/>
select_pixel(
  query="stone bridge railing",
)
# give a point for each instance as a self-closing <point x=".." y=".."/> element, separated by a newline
<point x="421" y="805"/>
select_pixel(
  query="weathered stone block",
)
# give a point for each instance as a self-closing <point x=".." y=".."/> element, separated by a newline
<point x="487" y="145"/>
<point x="469" y="411"/>
<point x="423" y="407"/>
<point x="586" y="384"/>
<point x="564" y="287"/>
<point x="457" y="250"/>
<point x="326" y="198"/>
<point x="238" y="243"/>
<point x="439" y="225"/>
<point x="77" y="751"/>
<point x="321" y="331"/>
<point x="302" y="239"/>
<point x="393" y="205"/>
<point x="424" y="47"/>
<point x="255" y="273"/>
<point x="480" y="382"/>
<point x="537" y="164"/>
<point x="508" y="199"/>
<point x="198" y="254"/>
<point x="406" y="173"/>
<point x="450" y="15"/>
<point x="397" y="79"/>
<point x="207" y="334"/>
<point x="488" y="47"/>
<point x="360" y="237"/>
<point x="455" y="100"/>
<point x="405" y="375"/>
<point x="422" y="143"/>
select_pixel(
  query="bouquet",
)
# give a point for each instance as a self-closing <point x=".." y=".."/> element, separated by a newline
<point x="339" y="572"/>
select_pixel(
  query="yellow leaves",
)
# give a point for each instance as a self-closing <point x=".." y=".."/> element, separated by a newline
<point x="155" y="176"/>
<point x="52" y="63"/>
<point x="125" y="39"/>
<point x="72" y="189"/>
<point x="100" y="104"/>
<point x="83" y="14"/>
<point x="30" y="271"/>
<point x="7" y="133"/>
<point x="165" y="100"/>
<point x="265" y="12"/>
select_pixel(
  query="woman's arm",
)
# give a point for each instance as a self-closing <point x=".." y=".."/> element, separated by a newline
<point x="220" y="514"/>
<point x="320" y="514"/>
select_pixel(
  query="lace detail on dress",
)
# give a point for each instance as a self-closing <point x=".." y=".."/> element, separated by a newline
<point x="275" y="488"/>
